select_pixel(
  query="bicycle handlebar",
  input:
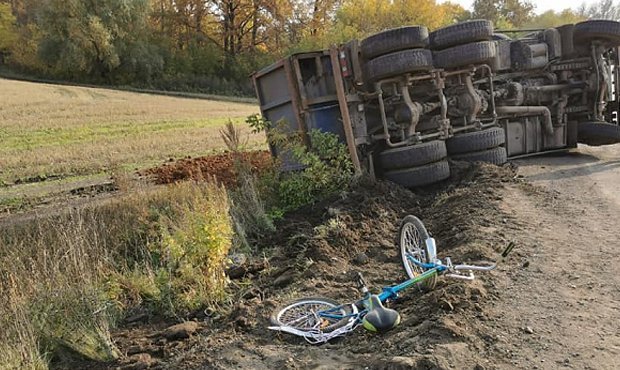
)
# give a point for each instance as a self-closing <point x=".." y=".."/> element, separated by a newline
<point x="475" y="268"/>
<point x="472" y="268"/>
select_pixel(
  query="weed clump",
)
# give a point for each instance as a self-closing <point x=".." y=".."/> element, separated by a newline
<point x="327" y="169"/>
<point x="65" y="280"/>
<point x="190" y="270"/>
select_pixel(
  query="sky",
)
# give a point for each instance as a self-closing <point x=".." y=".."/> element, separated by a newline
<point x="541" y="5"/>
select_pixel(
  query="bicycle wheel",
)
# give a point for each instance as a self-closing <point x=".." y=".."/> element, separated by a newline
<point x="313" y="314"/>
<point x="412" y="241"/>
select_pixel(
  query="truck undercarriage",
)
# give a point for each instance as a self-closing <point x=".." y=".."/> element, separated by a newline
<point x="405" y="100"/>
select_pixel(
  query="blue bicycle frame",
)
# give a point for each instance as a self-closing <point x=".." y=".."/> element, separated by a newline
<point x="354" y="312"/>
<point x="387" y="293"/>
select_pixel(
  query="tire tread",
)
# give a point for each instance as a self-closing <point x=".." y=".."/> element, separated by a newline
<point x="395" y="39"/>
<point x="413" y="155"/>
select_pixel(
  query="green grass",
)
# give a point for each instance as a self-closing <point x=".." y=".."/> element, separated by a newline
<point x="19" y="140"/>
<point x="48" y="129"/>
<point x="12" y="203"/>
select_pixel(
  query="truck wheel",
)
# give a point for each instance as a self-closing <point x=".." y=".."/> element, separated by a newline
<point x="413" y="155"/>
<point x="496" y="156"/>
<point x="598" y="133"/>
<point x="399" y="63"/>
<point x="475" y="53"/>
<point x="476" y="141"/>
<point x="396" y="39"/>
<point x="461" y="33"/>
<point x="603" y="30"/>
<point x="420" y="176"/>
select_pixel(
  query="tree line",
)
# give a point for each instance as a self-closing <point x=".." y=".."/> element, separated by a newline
<point x="213" y="45"/>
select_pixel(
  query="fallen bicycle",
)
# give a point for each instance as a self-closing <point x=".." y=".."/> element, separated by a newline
<point x="320" y="319"/>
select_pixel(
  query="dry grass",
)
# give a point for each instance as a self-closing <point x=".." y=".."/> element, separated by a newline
<point x="60" y="130"/>
<point x="65" y="279"/>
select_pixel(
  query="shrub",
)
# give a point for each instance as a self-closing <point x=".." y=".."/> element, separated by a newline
<point x="327" y="169"/>
<point x="191" y="260"/>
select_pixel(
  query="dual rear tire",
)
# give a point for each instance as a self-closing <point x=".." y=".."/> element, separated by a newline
<point x="479" y="146"/>
<point x="396" y="52"/>
<point x="427" y="163"/>
<point x="416" y="165"/>
<point x="463" y="44"/>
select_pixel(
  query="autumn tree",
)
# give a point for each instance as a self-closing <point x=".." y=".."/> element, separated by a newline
<point x="365" y="17"/>
<point x="96" y="37"/>
<point x="25" y="11"/>
<point x="551" y="18"/>
<point x="8" y="31"/>
<point x="504" y="13"/>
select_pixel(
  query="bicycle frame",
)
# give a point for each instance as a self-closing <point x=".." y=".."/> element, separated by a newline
<point x="360" y="308"/>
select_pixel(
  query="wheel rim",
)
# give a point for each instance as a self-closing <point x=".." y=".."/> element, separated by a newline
<point x="304" y="315"/>
<point x="411" y="245"/>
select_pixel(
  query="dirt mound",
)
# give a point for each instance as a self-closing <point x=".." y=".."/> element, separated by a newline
<point x="222" y="166"/>
<point x="317" y="251"/>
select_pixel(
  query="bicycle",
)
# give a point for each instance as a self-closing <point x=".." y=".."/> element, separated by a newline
<point x="319" y="319"/>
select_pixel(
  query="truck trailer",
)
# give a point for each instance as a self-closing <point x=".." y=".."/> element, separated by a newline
<point x="405" y="100"/>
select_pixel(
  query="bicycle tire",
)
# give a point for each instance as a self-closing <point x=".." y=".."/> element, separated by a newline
<point x="306" y="305"/>
<point x="408" y="224"/>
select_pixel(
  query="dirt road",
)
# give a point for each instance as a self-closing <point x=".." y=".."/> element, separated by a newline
<point x="562" y="309"/>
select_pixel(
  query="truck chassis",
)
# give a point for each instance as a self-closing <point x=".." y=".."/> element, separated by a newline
<point x="405" y="100"/>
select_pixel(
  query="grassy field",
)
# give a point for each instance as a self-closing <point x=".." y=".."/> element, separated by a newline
<point x="68" y="272"/>
<point x="51" y="130"/>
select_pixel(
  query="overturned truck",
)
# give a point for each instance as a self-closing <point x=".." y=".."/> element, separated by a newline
<point x="405" y="100"/>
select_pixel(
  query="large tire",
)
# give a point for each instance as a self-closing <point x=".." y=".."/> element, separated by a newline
<point x="399" y="63"/>
<point x="598" y="133"/>
<point x="420" y="176"/>
<point x="461" y="33"/>
<point x="412" y="237"/>
<point x="396" y="39"/>
<point x="282" y="315"/>
<point x="482" y="52"/>
<point x="413" y="155"/>
<point x="603" y="30"/>
<point x="496" y="156"/>
<point x="476" y="141"/>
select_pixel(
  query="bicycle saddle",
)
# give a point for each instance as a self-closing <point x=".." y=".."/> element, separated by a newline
<point x="380" y="319"/>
